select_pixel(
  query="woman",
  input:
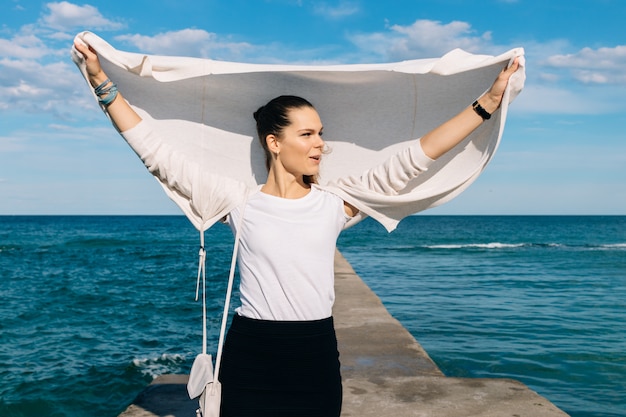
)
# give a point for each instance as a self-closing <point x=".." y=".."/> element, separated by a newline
<point x="280" y="357"/>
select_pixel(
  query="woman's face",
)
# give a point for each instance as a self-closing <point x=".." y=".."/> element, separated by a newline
<point x="300" y="144"/>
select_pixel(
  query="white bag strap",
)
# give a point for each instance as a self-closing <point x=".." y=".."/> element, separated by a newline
<point x="202" y="274"/>
<point x="229" y="290"/>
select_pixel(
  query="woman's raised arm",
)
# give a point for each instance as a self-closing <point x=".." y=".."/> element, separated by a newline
<point x="122" y="115"/>
<point x="449" y="134"/>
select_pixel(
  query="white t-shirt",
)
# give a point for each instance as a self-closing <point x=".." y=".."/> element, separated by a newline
<point x="286" y="255"/>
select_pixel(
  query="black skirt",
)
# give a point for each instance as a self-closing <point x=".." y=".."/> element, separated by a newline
<point x="280" y="368"/>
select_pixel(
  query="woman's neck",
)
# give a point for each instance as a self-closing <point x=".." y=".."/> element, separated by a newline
<point x="283" y="187"/>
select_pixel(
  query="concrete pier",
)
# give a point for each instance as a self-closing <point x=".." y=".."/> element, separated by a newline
<point x="385" y="372"/>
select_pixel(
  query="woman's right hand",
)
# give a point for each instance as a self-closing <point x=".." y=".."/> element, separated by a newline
<point x="92" y="63"/>
<point x="122" y="115"/>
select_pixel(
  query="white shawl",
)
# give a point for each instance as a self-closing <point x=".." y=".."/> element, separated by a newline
<point x="370" y="112"/>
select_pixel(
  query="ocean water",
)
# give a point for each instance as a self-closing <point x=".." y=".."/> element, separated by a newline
<point x="94" y="307"/>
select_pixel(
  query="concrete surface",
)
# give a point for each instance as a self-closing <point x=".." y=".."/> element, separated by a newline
<point x="385" y="372"/>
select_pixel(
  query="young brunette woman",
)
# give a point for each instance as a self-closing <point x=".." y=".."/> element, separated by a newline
<point x="280" y="356"/>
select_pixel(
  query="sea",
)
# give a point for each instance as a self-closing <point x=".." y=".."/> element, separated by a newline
<point x="93" y="308"/>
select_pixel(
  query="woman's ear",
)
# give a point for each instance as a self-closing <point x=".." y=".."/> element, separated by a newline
<point x="272" y="144"/>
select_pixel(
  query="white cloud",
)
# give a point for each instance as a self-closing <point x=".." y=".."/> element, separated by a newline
<point x="556" y="99"/>
<point x="10" y="144"/>
<point x="551" y="100"/>
<point x="64" y="16"/>
<point x="23" y="88"/>
<point x="593" y="66"/>
<point x="343" y="9"/>
<point x="423" y="39"/>
<point x="187" y="42"/>
<point x="26" y="46"/>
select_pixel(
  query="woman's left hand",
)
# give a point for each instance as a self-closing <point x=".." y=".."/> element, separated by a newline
<point x="449" y="134"/>
<point x="493" y="98"/>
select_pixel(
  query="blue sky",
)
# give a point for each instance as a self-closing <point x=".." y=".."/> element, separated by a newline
<point x="564" y="147"/>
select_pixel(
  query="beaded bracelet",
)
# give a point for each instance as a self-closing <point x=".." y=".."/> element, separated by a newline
<point x="105" y="94"/>
<point x="109" y="95"/>
<point x="481" y="111"/>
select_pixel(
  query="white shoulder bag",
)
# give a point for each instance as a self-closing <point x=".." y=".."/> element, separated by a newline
<point x="203" y="380"/>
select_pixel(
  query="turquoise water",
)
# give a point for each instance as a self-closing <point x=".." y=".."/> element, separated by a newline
<point x="93" y="308"/>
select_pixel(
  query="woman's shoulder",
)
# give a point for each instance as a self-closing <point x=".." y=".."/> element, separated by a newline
<point x="323" y="192"/>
